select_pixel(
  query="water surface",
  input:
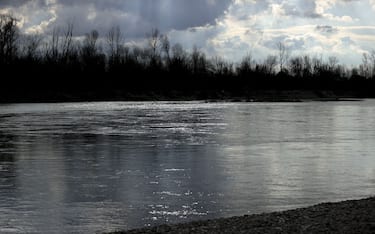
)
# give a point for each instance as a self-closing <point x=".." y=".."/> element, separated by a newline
<point x="95" y="167"/>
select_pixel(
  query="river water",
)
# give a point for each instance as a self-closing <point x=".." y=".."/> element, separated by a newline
<point x="97" y="167"/>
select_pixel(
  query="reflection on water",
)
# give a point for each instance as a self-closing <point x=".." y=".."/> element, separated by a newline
<point x="93" y="167"/>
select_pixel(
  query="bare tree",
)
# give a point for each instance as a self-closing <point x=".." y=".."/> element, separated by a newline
<point x="8" y="38"/>
<point x="195" y="57"/>
<point x="307" y="63"/>
<point x="154" y="42"/>
<point x="115" y="42"/>
<point x="365" y="67"/>
<point x="222" y="67"/>
<point x="30" y="45"/>
<point x="247" y="65"/>
<point x="198" y="61"/>
<point x="137" y="54"/>
<point x="179" y="57"/>
<point x="53" y="51"/>
<point x="284" y="54"/>
<point x="89" y="44"/>
<point x="372" y="63"/>
<point x="333" y="62"/>
<point x="178" y="52"/>
<point x="300" y="66"/>
<point x="67" y="43"/>
<point x="296" y="66"/>
<point x="92" y="59"/>
<point x="166" y="46"/>
<point x="270" y="64"/>
<point x="317" y="65"/>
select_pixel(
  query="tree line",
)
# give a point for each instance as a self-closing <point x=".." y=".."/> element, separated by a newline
<point x="104" y="65"/>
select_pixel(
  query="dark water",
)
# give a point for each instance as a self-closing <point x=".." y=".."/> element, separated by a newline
<point x="86" y="168"/>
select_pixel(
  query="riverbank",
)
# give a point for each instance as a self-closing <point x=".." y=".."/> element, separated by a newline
<point x="355" y="216"/>
<point x="209" y="96"/>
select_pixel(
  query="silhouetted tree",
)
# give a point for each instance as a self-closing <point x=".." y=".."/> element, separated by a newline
<point x="270" y="64"/>
<point x="166" y="47"/>
<point x="67" y="43"/>
<point x="89" y="44"/>
<point x="30" y="45"/>
<point x="91" y="58"/>
<point x="246" y="66"/>
<point x="154" y="43"/>
<point x="307" y="66"/>
<point x="199" y="62"/>
<point x="222" y="67"/>
<point x="296" y="66"/>
<point x="372" y="62"/>
<point x="66" y="61"/>
<point x="52" y="48"/>
<point x="115" y="42"/>
<point x="333" y="62"/>
<point x="178" y="52"/>
<point x="179" y="60"/>
<point x="284" y="54"/>
<point x="367" y="68"/>
<point x="8" y="39"/>
<point x="317" y="66"/>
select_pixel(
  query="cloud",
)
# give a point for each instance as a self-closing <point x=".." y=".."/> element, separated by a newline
<point x="134" y="17"/>
<point x="320" y="28"/>
<point x="301" y="8"/>
<point x="228" y="28"/>
<point x="372" y="2"/>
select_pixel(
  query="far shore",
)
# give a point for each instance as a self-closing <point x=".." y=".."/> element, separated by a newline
<point x="354" y="216"/>
<point x="216" y="96"/>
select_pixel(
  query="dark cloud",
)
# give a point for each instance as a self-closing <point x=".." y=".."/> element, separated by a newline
<point x="302" y="8"/>
<point x="326" y="29"/>
<point x="177" y="14"/>
<point x="135" y="17"/>
<point x="13" y="3"/>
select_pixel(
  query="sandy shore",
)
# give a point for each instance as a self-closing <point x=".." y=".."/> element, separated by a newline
<point x="357" y="216"/>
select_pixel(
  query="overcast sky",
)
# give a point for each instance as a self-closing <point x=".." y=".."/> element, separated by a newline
<point x="228" y="28"/>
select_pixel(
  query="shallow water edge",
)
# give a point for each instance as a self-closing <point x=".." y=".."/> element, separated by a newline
<point x="352" y="216"/>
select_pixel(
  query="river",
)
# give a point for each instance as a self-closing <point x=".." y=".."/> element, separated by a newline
<point x="105" y="166"/>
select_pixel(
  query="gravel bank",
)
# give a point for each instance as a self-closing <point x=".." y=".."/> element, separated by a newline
<point x="343" y="217"/>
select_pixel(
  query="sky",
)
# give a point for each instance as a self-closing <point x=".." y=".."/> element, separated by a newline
<point x="227" y="28"/>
